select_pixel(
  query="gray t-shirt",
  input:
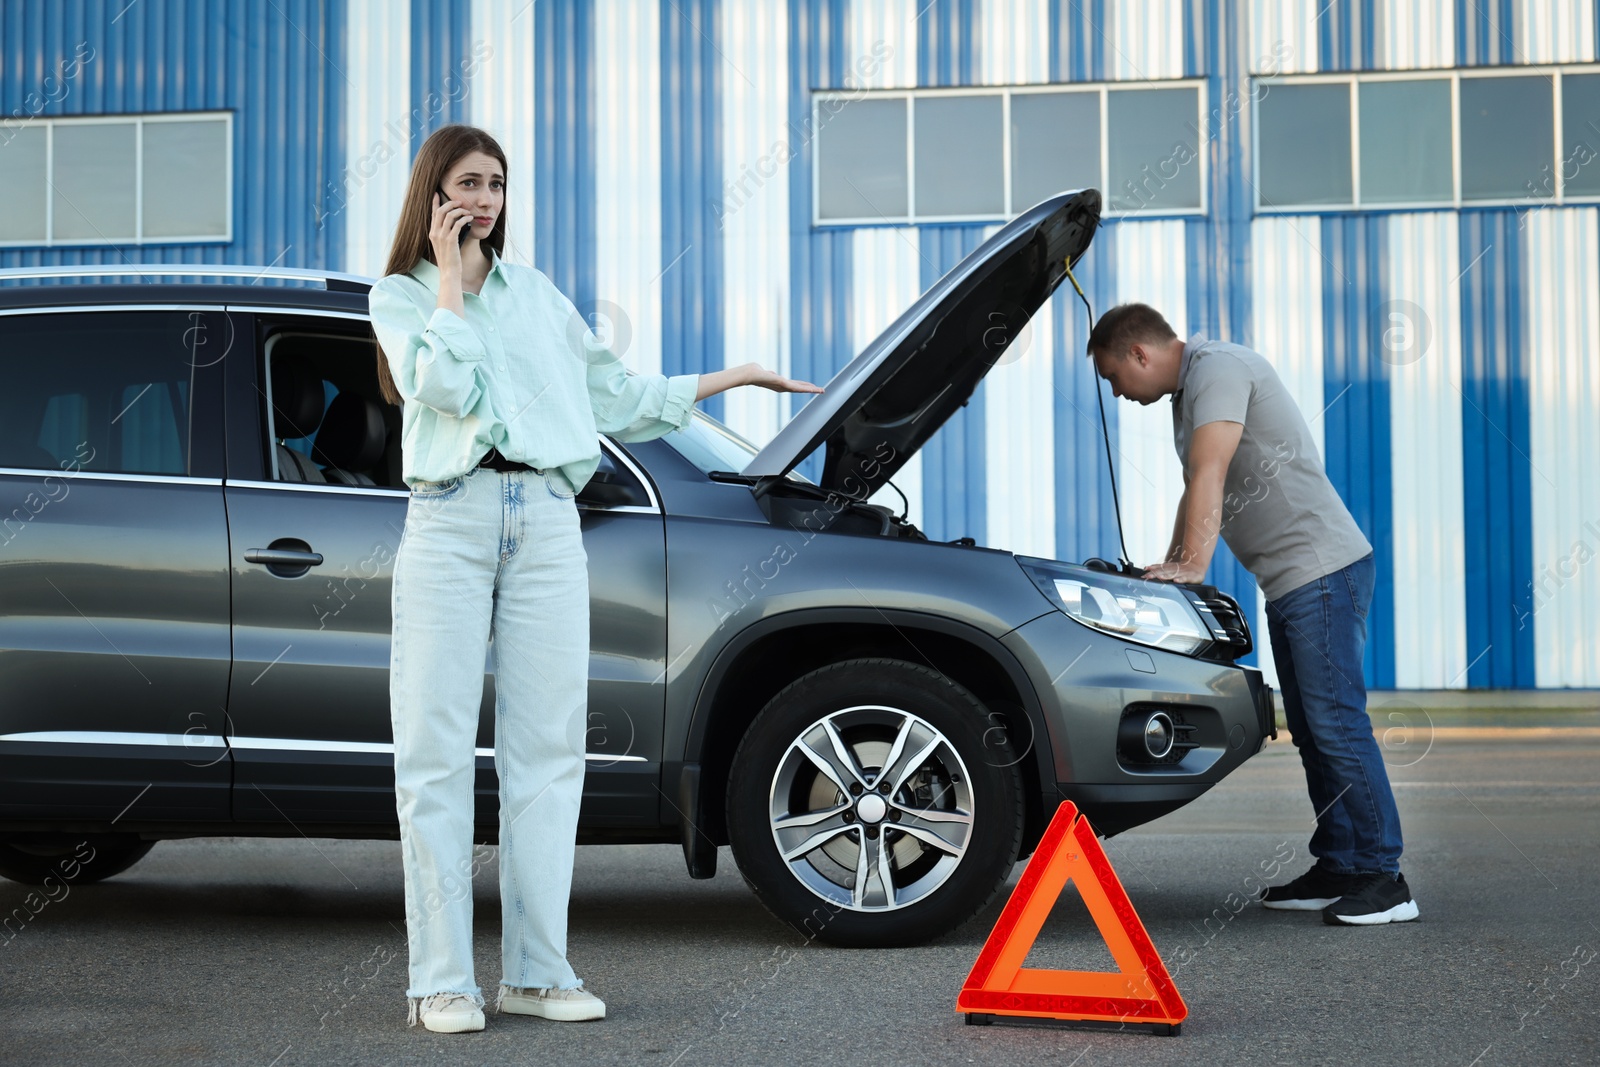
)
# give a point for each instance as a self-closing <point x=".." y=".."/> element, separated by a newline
<point x="1280" y="514"/>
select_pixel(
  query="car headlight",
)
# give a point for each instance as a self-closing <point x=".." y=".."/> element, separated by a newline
<point x="1151" y="613"/>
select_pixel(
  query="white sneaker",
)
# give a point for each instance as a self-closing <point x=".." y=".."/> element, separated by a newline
<point x="562" y="1005"/>
<point x="448" y="1013"/>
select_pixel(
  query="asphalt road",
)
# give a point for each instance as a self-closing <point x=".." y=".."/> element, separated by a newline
<point x="292" y="952"/>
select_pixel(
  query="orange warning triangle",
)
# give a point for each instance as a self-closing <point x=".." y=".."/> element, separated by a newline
<point x="1140" y="992"/>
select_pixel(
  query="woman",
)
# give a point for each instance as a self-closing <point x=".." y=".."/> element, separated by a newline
<point x="502" y="401"/>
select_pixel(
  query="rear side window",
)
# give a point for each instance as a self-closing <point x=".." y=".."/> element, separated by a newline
<point x="111" y="392"/>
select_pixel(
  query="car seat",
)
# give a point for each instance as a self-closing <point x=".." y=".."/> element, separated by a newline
<point x="352" y="440"/>
<point x="297" y="400"/>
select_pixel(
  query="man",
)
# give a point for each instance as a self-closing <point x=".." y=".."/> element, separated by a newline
<point x="1252" y="474"/>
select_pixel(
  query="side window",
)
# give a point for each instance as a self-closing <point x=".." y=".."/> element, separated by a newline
<point x="107" y="392"/>
<point x="327" y="423"/>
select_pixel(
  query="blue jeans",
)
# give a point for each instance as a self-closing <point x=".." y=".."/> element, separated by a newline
<point x="1318" y="633"/>
<point x="489" y="563"/>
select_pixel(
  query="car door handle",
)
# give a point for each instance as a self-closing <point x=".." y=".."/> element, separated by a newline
<point x="282" y="557"/>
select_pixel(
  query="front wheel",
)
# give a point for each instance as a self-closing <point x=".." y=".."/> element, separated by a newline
<point x="874" y="802"/>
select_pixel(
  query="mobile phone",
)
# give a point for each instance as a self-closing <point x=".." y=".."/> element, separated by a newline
<point x="461" y="238"/>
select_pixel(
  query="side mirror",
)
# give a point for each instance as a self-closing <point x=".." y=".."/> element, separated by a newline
<point x="612" y="488"/>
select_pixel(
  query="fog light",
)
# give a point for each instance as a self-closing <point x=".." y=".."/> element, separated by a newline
<point x="1158" y="735"/>
<point x="1146" y="735"/>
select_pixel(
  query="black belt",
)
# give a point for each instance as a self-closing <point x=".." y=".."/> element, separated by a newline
<point x="496" y="462"/>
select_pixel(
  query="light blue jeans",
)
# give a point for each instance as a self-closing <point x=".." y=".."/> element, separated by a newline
<point x="489" y="562"/>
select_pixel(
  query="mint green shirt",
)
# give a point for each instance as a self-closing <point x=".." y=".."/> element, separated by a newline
<point x="522" y="373"/>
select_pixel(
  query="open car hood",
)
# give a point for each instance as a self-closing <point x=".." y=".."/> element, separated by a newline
<point x="882" y="407"/>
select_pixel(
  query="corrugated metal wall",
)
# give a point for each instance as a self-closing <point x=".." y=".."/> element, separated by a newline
<point x="660" y="171"/>
<point x="268" y="64"/>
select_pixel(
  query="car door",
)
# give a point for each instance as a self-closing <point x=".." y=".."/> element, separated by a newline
<point x="313" y="547"/>
<point x="114" y="613"/>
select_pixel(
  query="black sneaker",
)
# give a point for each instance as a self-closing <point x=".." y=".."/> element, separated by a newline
<point x="1376" y="900"/>
<point x="1312" y="891"/>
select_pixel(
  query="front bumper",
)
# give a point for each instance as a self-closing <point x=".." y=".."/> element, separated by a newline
<point x="1088" y="682"/>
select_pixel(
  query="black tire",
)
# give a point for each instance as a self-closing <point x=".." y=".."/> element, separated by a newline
<point x="815" y="891"/>
<point x="71" y="858"/>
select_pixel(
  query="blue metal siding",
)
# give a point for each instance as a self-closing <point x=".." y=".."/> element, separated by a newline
<point x="1484" y="32"/>
<point x="1496" y="492"/>
<point x="269" y="65"/>
<point x="953" y="461"/>
<point x="277" y="69"/>
<point x="440" y="36"/>
<point x="691" y="179"/>
<point x="1346" y="35"/>
<point x="820" y="260"/>
<point x="948" y="42"/>
<point x="564" y="200"/>
<point x="1356" y="422"/>
<point x="328" y="194"/>
<point x="1086" y="524"/>
<point x="1218" y="246"/>
<point x="1079" y="30"/>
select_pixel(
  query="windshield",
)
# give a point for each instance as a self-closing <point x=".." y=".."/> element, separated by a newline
<point x="711" y="446"/>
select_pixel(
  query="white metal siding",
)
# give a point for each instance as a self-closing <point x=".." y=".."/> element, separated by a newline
<point x="881" y="53"/>
<point x="1018" y="394"/>
<point x="627" y="74"/>
<point x="1016" y="42"/>
<point x="887" y="281"/>
<point x="1150" y="270"/>
<point x="1286" y="324"/>
<point x="1553" y="31"/>
<point x="1562" y="321"/>
<point x="1520" y="330"/>
<point x="1148" y="40"/>
<point x="1424" y="369"/>
<point x="502" y="102"/>
<point x="882" y="43"/>
<point x="756" y="142"/>
<point x="377" y="154"/>
<point x="1283" y="36"/>
<point x="1412" y="35"/>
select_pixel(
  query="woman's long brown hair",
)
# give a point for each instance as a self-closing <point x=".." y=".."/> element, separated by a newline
<point x="438" y="154"/>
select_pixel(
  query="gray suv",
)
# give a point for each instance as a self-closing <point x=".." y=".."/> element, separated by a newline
<point x="200" y="500"/>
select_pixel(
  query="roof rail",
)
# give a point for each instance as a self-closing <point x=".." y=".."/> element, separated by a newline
<point x="331" y="280"/>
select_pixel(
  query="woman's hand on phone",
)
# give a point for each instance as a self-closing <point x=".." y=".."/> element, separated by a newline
<point x="448" y="219"/>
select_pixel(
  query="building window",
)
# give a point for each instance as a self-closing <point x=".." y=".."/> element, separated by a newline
<point x="117" y="180"/>
<point x="1457" y="138"/>
<point x="1580" y="125"/>
<point x="960" y="154"/>
<point x="1305" y="145"/>
<point x="1405" y="142"/>
<point x="987" y="154"/>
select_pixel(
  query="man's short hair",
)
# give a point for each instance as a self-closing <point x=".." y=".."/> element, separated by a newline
<point x="1127" y="325"/>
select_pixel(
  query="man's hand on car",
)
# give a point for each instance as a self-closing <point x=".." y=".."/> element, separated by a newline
<point x="1174" y="572"/>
